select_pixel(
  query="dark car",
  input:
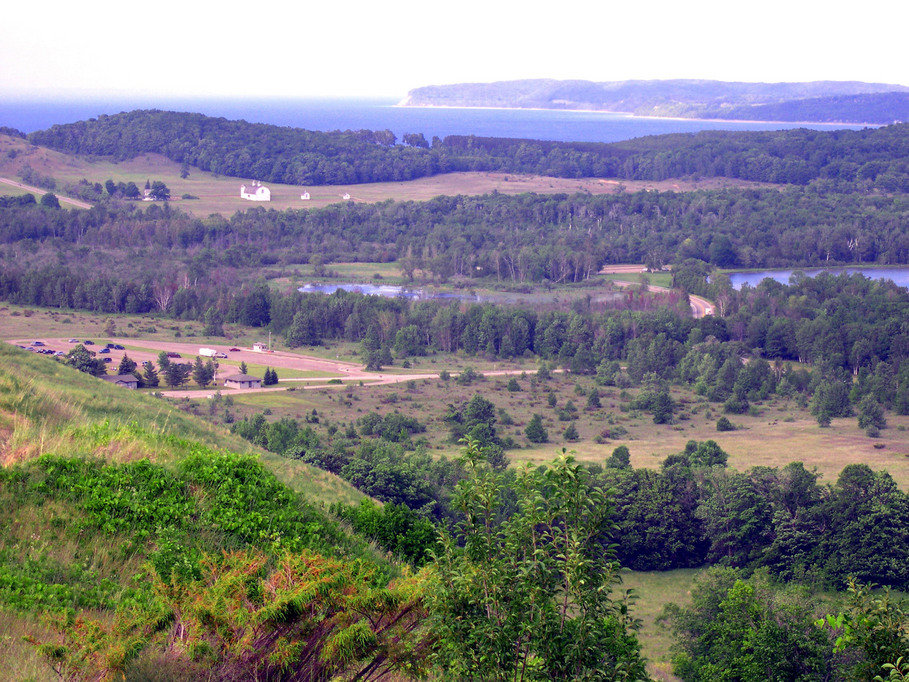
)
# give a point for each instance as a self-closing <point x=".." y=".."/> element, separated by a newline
<point x="107" y="359"/>
<point x="117" y="346"/>
<point x="88" y="343"/>
<point x="171" y="354"/>
<point x="104" y="350"/>
<point x="37" y="343"/>
<point x="234" y="350"/>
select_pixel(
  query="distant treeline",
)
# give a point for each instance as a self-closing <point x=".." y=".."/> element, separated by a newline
<point x="525" y="238"/>
<point x="871" y="158"/>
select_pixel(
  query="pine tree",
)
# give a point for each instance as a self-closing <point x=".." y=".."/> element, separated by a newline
<point x="149" y="374"/>
<point x="127" y="365"/>
<point x="535" y="431"/>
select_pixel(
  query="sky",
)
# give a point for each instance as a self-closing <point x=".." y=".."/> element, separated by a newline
<point x="204" y="48"/>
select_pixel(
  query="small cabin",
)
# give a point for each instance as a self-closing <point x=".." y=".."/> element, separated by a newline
<point x="124" y="380"/>
<point x="256" y="193"/>
<point x="242" y="381"/>
<point x="305" y="196"/>
<point x="346" y="196"/>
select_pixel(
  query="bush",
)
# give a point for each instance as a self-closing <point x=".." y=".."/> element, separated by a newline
<point x="723" y="424"/>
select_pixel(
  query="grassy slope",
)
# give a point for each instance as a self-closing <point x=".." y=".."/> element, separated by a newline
<point x="47" y="408"/>
<point x="219" y="194"/>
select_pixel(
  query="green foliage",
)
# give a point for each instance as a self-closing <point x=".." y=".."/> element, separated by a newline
<point x="529" y="596"/>
<point x="395" y="527"/>
<point x="750" y="629"/>
<point x="875" y="623"/>
<point x="535" y="431"/>
<point x="723" y="424"/>
<point x="245" y="616"/>
<point x="80" y="358"/>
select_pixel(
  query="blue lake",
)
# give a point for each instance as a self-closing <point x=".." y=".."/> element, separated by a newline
<point x="381" y="114"/>
<point x="899" y="274"/>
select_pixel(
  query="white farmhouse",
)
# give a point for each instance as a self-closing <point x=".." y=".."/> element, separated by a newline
<point x="305" y="196"/>
<point x="257" y="193"/>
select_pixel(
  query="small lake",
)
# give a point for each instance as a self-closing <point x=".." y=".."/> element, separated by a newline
<point x="537" y="297"/>
<point x="387" y="291"/>
<point x="898" y="273"/>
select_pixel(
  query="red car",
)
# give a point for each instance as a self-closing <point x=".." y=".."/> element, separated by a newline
<point x="234" y="350"/>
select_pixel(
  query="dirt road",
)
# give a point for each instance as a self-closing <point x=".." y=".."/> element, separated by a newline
<point x="700" y="307"/>
<point x="28" y="188"/>
<point x="338" y="369"/>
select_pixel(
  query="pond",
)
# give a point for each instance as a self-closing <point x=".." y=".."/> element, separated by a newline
<point x="898" y="273"/>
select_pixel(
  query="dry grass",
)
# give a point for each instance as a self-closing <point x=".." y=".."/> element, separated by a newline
<point x="218" y="194"/>
<point x="780" y="433"/>
<point x="20" y="660"/>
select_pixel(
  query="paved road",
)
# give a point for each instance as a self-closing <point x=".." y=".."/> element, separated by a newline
<point x="28" y="188"/>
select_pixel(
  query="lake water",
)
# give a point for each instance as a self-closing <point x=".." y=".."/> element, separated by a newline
<point x="387" y="291"/>
<point x="381" y="114"/>
<point x="899" y="274"/>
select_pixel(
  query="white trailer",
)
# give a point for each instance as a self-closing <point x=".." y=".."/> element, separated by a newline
<point x="208" y="352"/>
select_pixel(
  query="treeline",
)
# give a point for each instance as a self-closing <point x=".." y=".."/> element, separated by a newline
<point x="691" y="512"/>
<point x="526" y="238"/>
<point x="873" y="158"/>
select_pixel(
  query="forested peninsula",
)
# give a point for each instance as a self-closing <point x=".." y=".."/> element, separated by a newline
<point x="817" y="101"/>
<point x="860" y="159"/>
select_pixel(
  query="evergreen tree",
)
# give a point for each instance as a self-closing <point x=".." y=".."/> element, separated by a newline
<point x="149" y="374"/>
<point x="127" y="365"/>
<point x="535" y="431"/>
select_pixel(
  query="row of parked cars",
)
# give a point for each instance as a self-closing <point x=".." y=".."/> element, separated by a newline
<point x="41" y="347"/>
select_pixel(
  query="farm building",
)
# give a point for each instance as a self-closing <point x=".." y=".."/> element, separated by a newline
<point x="242" y="381"/>
<point x="260" y="347"/>
<point x="305" y="196"/>
<point x="258" y="192"/>
<point x="125" y="380"/>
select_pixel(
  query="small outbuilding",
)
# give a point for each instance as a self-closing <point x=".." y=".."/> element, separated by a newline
<point x="242" y="381"/>
<point x="124" y="380"/>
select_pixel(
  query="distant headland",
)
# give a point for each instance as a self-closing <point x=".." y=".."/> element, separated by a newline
<point x="810" y="102"/>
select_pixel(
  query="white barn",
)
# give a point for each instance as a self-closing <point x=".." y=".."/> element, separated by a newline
<point x="260" y="193"/>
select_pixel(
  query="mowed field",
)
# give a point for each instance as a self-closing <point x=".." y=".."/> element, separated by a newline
<point x="221" y="195"/>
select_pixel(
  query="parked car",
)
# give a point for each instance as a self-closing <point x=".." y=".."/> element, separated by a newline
<point x="37" y="343"/>
<point x="59" y="353"/>
<point x="107" y="359"/>
<point x="171" y="354"/>
<point x="104" y="350"/>
<point x="72" y="340"/>
<point x="220" y="355"/>
<point x="234" y="350"/>
<point x="88" y="343"/>
<point x="117" y="346"/>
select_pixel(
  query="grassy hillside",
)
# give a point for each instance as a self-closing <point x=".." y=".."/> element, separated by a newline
<point x="99" y="481"/>
<point x="48" y="408"/>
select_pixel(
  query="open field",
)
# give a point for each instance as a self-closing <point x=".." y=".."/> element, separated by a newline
<point x="778" y="433"/>
<point x="654" y="590"/>
<point x="219" y="194"/>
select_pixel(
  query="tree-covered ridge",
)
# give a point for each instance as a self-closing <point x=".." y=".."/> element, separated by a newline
<point x="518" y="239"/>
<point x="296" y="156"/>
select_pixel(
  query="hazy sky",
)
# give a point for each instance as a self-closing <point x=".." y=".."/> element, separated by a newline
<point x="298" y="49"/>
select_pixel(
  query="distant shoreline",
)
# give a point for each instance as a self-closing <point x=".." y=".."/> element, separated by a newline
<point x="402" y="104"/>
